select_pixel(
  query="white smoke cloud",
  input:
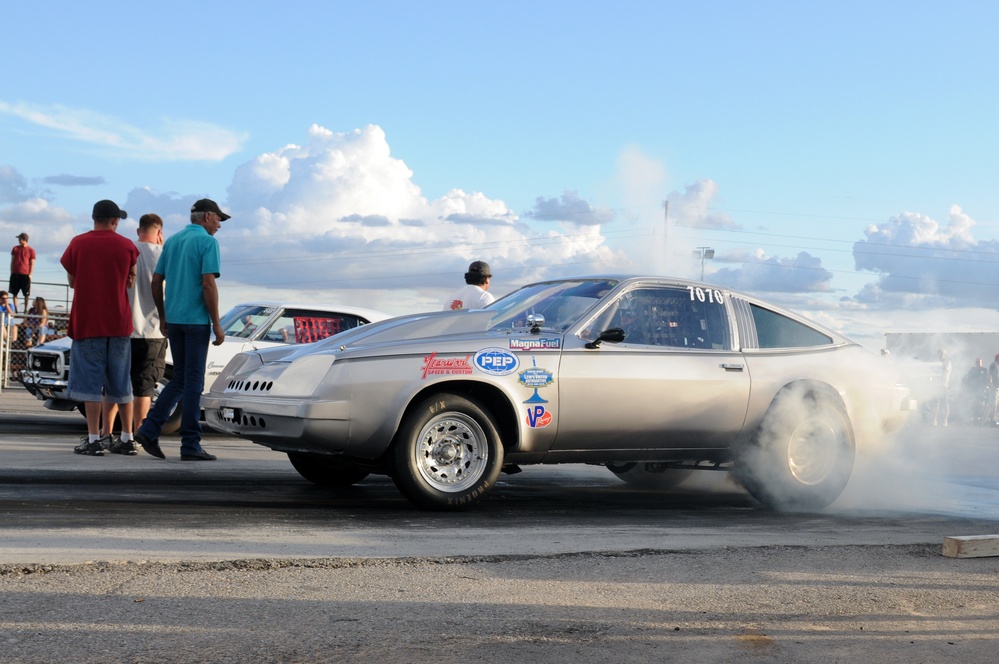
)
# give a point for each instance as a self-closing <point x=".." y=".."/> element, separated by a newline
<point x="693" y="207"/>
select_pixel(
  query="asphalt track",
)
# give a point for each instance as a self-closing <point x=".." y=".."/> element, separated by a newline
<point x="117" y="559"/>
<point x="57" y="507"/>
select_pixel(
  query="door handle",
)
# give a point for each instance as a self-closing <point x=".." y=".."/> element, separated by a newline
<point x="733" y="367"/>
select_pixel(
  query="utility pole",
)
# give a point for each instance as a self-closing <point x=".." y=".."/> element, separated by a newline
<point x="703" y="253"/>
<point x="665" y="260"/>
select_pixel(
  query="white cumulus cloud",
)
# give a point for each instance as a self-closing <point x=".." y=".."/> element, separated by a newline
<point x="920" y="262"/>
<point x="339" y="211"/>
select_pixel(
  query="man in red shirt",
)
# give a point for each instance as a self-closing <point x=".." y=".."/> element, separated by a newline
<point x="22" y="264"/>
<point x="101" y="266"/>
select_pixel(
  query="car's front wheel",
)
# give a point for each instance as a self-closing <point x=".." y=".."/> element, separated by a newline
<point x="803" y="453"/>
<point x="447" y="453"/>
<point x="326" y="471"/>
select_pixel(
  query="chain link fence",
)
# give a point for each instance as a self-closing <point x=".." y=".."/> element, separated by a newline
<point x="20" y="331"/>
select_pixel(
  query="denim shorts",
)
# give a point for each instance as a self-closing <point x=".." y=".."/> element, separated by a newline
<point x="99" y="368"/>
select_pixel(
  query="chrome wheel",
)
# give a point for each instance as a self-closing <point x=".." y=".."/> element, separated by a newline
<point x="812" y="451"/>
<point x="447" y="453"/>
<point x="451" y="453"/>
<point x="802" y="455"/>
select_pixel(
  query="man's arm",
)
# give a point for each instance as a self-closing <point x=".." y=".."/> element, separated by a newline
<point x="211" y="294"/>
<point x="157" y="288"/>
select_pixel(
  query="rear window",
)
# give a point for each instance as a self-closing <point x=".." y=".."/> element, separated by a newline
<point x="295" y="326"/>
<point x="774" y="330"/>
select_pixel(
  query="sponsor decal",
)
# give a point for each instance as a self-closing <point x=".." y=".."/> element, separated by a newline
<point x="535" y="378"/>
<point x="496" y="361"/>
<point x="449" y="366"/>
<point x="538" y="417"/>
<point x="541" y="343"/>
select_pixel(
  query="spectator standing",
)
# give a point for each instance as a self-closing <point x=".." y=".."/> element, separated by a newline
<point x="101" y="267"/>
<point x="474" y="294"/>
<point x="943" y="400"/>
<point x="993" y="416"/>
<point x="189" y="264"/>
<point x="22" y="266"/>
<point x="977" y="388"/>
<point x="147" y="342"/>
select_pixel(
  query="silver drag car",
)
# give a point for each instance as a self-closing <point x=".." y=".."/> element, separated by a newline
<point x="651" y="377"/>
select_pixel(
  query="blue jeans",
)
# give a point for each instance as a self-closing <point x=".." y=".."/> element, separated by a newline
<point x="189" y="348"/>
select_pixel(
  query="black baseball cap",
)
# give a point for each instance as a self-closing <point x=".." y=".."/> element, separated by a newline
<point x="108" y="210"/>
<point x="479" y="268"/>
<point x="208" y="205"/>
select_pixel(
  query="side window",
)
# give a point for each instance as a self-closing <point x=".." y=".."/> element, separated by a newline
<point x="243" y="322"/>
<point x="671" y="317"/>
<point x="774" y="330"/>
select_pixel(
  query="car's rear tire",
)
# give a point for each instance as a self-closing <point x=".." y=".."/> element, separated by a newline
<point x="326" y="471"/>
<point x="447" y="454"/>
<point x="802" y="455"/>
<point x="647" y="476"/>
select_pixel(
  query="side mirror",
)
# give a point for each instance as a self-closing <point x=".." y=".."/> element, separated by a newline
<point x="615" y="335"/>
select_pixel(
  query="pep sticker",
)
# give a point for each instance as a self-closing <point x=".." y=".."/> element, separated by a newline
<point x="496" y="361"/>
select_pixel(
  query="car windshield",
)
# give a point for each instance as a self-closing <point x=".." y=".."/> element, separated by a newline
<point x="562" y="303"/>
<point x="243" y="321"/>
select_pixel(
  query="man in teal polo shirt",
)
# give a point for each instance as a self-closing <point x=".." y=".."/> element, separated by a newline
<point x="189" y="265"/>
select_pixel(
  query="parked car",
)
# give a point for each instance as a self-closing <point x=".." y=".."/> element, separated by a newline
<point x="651" y="377"/>
<point x="247" y="326"/>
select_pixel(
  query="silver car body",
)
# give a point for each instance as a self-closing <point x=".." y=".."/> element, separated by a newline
<point x="691" y="382"/>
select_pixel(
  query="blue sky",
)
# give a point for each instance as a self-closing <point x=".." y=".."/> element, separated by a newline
<point x="840" y="158"/>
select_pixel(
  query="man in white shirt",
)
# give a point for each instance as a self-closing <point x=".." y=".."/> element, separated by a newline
<point x="148" y="343"/>
<point x="474" y="294"/>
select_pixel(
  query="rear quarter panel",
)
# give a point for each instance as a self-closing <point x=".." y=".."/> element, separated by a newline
<point x="864" y="382"/>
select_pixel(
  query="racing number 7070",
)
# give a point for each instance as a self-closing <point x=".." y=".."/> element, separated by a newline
<point x="705" y="294"/>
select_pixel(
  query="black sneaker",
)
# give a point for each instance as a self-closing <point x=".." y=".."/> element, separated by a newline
<point x="200" y="455"/>
<point x="150" y="446"/>
<point x="119" y="446"/>
<point x="89" y="448"/>
<point x="106" y="441"/>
